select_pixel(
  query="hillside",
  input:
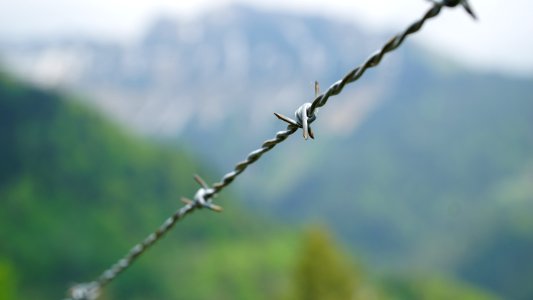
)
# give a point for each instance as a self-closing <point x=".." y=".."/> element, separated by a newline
<point x="435" y="179"/>
<point x="76" y="192"/>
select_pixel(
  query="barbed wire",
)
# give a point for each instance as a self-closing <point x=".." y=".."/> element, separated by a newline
<point x="305" y="115"/>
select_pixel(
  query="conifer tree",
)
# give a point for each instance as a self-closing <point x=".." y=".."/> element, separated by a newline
<point x="323" y="271"/>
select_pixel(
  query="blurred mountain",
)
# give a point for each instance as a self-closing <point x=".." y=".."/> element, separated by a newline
<point x="421" y="165"/>
<point x="236" y="63"/>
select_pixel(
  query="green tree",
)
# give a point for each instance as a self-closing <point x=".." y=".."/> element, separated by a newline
<point x="7" y="281"/>
<point x="323" y="271"/>
<point x="432" y="287"/>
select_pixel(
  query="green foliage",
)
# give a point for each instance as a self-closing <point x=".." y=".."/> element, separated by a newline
<point x="8" y="284"/>
<point x="323" y="272"/>
<point x="430" y="288"/>
<point x="428" y="180"/>
<point x="485" y="267"/>
<point x="76" y="192"/>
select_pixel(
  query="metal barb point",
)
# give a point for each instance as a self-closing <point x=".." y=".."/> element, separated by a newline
<point x="216" y="208"/>
<point x="453" y="3"/>
<point x="200" y="181"/>
<point x="187" y="201"/>
<point x="288" y="120"/>
<point x="468" y="9"/>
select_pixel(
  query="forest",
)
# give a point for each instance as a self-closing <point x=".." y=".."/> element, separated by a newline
<point x="77" y="190"/>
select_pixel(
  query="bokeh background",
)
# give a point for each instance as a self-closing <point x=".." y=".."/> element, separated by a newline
<point x="419" y="184"/>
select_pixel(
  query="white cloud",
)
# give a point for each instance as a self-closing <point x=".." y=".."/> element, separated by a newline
<point x="500" y="40"/>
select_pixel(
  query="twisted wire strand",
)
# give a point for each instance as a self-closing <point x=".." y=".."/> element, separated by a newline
<point x="91" y="290"/>
<point x="121" y="265"/>
<point x="374" y="59"/>
<point x="253" y="157"/>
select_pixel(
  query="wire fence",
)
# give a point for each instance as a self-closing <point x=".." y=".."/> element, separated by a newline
<point x="304" y="115"/>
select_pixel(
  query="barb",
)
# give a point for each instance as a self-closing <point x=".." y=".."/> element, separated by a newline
<point x="452" y="3"/>
<point x="305" y="115"/>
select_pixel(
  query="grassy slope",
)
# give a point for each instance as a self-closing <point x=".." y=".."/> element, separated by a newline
<point x="426" y="181"/>
<point x="76" y="192"/>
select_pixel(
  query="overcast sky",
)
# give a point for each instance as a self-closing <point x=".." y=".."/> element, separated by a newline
<point x="501" y="40"/>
